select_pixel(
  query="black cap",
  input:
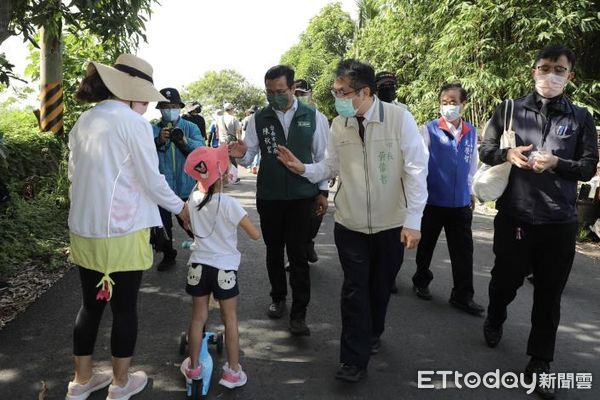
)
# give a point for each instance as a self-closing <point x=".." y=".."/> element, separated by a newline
<point x="172" y="95"/>
<point x="302" y="85"/>
<point x="384" y="78"/>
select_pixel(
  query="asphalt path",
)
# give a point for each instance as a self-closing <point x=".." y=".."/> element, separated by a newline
<point x="420" y="335"/>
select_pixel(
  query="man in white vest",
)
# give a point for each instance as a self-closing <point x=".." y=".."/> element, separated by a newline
<point x="375" y="149"/>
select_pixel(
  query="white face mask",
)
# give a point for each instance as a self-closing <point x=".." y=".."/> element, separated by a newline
<point x="550" y="85"/>
<point x="450" y="112"/>
<point x="138" y="107"/>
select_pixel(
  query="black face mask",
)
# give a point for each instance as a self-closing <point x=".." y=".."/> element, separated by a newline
<point x="387" y="93"/>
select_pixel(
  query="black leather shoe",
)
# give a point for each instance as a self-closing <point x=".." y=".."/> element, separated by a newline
<point x="470" y="307"/>
<point x="375" y="345"/>
<point x="394" y="289"/>
<point x="492" y="333"/>
<point x="276" y="309"/>
<point x="298" y="327"/>
<point x="422" y="292"/>
<point x="311" y="254"/>
<point x="350" y="373"/>
<point x="168" y="261"/>
<point x="537" y="367"/>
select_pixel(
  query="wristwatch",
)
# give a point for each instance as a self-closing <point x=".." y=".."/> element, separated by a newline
<point x="324" y="193"/>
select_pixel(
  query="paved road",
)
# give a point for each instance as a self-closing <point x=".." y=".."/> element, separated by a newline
<point x="419" y="335"/>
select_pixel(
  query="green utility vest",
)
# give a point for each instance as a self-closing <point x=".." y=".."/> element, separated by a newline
<point x="275" y="181"/>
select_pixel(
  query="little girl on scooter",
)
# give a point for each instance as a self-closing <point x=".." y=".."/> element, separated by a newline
<point x="214" y="261"/>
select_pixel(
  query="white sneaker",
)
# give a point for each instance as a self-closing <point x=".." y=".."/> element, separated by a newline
<point x="232" y="379"/>
<point x="77" y="391"/>
<point x="136" y="382"/>
<point x="189" y="373"/>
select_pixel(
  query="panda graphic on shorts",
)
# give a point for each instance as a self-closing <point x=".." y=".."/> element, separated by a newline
<point x="226" y="279"/>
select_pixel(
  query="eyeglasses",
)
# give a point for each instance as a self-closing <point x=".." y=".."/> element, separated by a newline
<point x="340" y="93"/>
<point x="276" y="92"/>
<point x="546" y="69"/>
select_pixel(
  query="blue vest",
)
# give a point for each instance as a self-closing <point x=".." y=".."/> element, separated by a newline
<point x="449" y="164"/>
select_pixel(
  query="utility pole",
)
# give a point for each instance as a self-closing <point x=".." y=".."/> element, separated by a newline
<point x="51" y="77"/>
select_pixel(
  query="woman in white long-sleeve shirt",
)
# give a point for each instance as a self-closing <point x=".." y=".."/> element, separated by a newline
<point x="115" y="189"/>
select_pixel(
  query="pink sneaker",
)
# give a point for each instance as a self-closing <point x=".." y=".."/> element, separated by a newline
<point x="77" y="391"/>
<point x="232" y="379"/>
<point x="191" y="373"/>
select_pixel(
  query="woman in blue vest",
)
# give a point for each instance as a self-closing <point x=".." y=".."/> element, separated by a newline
<point x="452" y="144"/>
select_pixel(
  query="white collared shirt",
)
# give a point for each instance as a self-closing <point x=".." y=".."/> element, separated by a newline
<point x="319" y="143"/>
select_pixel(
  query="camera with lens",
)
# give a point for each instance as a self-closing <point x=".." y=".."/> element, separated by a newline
<point x="176" y="135"/>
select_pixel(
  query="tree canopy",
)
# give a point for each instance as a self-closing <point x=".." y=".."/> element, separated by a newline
<point x="327" y="39"/>
<point x="119" y="23"/>
<point x="488" y="46"/>
<point x="218" y="87"/>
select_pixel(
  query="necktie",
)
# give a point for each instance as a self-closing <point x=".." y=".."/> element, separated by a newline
<point x="361" y="128"/>
<point x="544" y="107"/>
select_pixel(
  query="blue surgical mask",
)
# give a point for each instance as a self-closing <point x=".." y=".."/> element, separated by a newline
<point x="344" y="107"/>
<point x="169" y="114"/>
<point x="450" y="112"/>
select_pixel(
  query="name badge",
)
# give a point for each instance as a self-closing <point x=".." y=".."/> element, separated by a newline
<point x="304" y="124"/>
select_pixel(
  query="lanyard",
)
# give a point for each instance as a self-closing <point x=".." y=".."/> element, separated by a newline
<point x="174" y="160"/>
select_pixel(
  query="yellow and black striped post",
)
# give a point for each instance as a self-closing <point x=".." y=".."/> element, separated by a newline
<point x="51" y="89"/>
<point x="51" y="108"/>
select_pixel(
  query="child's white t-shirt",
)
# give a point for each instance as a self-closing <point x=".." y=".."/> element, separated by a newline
<point x="216" y="223"/>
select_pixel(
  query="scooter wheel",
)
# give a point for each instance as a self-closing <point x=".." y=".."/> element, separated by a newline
<point x="182" y="343"/>
<point x="219" y="341"/>
<point x="197" y="389"/>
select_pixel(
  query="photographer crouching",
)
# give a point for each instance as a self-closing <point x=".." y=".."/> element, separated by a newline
<point x="175" y="138"/>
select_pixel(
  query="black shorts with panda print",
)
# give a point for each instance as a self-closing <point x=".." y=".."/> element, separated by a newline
<point x="202" y="280"/>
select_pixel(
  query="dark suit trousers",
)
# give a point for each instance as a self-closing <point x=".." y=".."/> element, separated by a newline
<point x="285" y="224"/>
<point x="457" y="226"/>
<point x="370" y="262"/>
<point x="547" y="251"/>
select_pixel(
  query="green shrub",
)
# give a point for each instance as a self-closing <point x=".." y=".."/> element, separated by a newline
<point x="33" y="226"/>
<point x="33" y="230"/>
<point x="30" y="154"/>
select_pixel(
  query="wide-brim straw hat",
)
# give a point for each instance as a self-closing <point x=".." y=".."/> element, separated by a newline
<point x="129" y="79"/>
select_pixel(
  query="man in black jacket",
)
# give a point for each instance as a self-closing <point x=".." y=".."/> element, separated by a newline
<point x="536" y="224"/>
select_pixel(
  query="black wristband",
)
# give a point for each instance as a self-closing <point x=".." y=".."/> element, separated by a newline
<point x="324" y="193"/>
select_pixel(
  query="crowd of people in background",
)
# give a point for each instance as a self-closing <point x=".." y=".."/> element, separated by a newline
<point x="399" y="184"/>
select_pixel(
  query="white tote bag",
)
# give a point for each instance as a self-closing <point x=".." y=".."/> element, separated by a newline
<point x="489" y="181"/>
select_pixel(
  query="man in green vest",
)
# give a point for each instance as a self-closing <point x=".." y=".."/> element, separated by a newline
<point x="285" y="200"/>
